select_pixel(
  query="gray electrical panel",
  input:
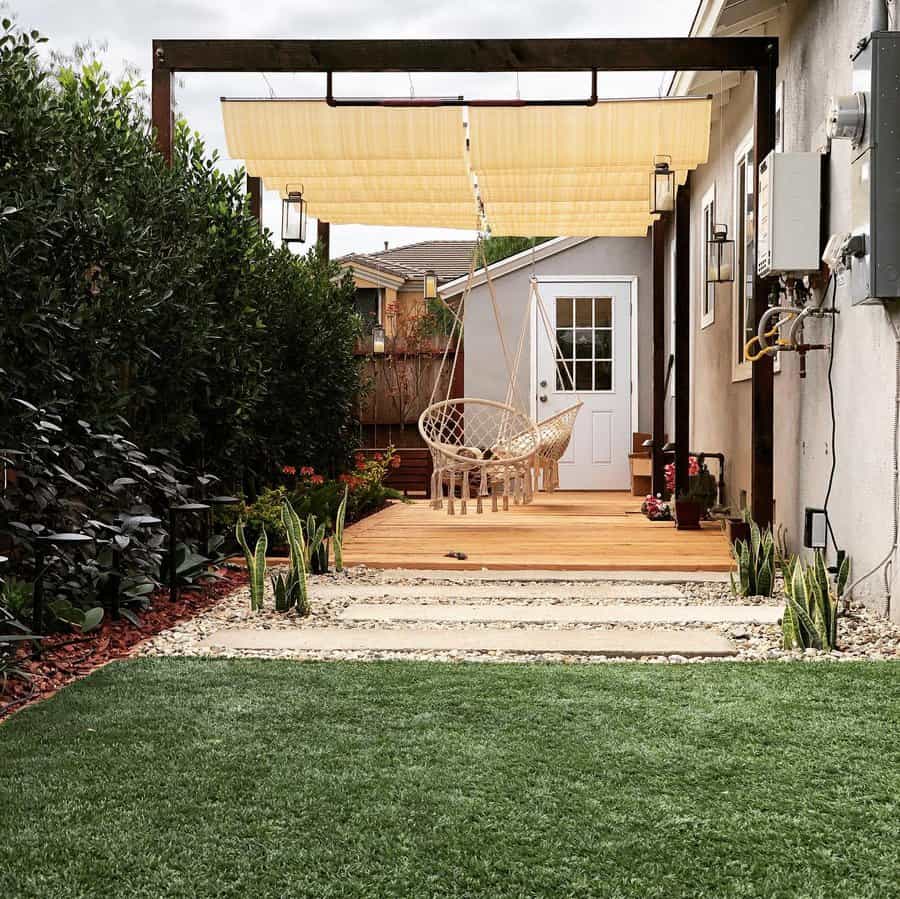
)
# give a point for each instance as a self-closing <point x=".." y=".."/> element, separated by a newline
<point x="875" y="240"/>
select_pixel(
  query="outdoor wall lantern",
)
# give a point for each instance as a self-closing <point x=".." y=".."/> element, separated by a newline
<point x="378" y="340"/>
<point x="719" y="256"/>
<point x="662" y="186"/>
<point x="293" y="218"/>
<point x="430" y="285"/>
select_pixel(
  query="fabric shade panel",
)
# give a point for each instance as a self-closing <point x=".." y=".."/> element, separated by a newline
<point x="420" y="215"/>
<point x="616" y="134"/>
<point x="311" y="129"/>
<point x="380" y="189"/>
<point x="579" y="171"/>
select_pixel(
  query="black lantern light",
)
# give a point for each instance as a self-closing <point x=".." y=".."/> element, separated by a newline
<point x="378" y="340"/>
<point x="662" y="186"/>
<point x="430" y="285"/>
<point x="293" y="217"/>
<point x="719" y="256"/>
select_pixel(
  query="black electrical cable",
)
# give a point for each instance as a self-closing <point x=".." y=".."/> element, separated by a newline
<point x="831" y="283"/>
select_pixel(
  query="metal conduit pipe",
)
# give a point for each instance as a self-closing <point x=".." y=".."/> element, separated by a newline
<point x="764" y="321"/>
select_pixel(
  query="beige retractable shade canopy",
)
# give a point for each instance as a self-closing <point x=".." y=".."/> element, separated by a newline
<point x="578" y="171"/>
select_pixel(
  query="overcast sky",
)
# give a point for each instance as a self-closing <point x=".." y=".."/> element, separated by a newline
<point x="127" y="27"/>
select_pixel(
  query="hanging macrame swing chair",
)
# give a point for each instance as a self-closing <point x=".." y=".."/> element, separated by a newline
<point x="486" y="448"/>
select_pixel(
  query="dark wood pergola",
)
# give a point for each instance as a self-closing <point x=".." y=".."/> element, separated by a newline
<point x="750" y="54"/>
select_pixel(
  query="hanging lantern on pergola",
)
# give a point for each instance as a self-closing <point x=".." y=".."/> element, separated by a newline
<point x="430" y="285"/>
<point x="378" y="340"/>
<point x="662" y="186"/>
<point x="293" y="217"/>
<point x="719" y="256"/>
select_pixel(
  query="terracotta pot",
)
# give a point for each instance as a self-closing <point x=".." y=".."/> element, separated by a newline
<point x="687" y="514"/>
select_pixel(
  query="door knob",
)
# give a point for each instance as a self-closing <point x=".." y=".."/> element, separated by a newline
<point x="543" y="397"/>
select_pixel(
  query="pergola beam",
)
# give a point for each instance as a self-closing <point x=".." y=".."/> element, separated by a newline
<point x="613" y="54"/>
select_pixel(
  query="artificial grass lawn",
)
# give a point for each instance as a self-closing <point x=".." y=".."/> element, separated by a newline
<point x="252" y="778"/>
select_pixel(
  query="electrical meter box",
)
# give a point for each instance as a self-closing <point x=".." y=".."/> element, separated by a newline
<point x="874" y="250"/>
<point x="790" y="206"/>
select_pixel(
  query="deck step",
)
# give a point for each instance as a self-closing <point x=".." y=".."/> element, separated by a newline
<point x="470" y="591"/>
<point x="611" y="642"/>
<point x="560" y="613"/>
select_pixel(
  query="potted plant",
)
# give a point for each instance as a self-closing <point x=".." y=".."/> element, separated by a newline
<point x="690" y="507"/>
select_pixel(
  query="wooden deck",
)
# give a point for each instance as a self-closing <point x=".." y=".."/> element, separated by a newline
<point x="559" y="531"/>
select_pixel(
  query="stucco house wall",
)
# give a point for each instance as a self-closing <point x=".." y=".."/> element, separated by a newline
<point x="816" y="41"/>
<point x="485" y="369"/>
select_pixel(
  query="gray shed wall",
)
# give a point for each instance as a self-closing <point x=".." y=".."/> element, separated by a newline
<point x="485" y="369"/>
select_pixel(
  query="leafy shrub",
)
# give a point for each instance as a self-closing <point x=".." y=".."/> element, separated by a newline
<point x="150" y="332"/>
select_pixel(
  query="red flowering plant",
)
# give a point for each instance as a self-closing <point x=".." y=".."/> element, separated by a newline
<point x="655" y="508"/>
<point x="315" y="494"/>
<point x="693" y="471"/>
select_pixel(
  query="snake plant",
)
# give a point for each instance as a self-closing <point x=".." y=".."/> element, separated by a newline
<point x="293" y="590"/>
<point x="256" y="565"/>
<point x="812" y="599"/>
<point x="316" y="546"/>
<point x="338" y="536"/>
<point x="755" y="559"/>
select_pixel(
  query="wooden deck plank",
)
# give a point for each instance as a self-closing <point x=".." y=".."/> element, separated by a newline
<point x="561" y="531"/>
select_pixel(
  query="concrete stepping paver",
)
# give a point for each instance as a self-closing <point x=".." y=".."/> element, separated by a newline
<point x="468" y="591"/>
<point x="558" y="613"/>
<point x="609" y="642"/>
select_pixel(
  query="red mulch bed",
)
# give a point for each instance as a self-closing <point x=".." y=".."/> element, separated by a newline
<point x="65" y="657"/>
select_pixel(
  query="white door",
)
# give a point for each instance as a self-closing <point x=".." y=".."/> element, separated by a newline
<point x="592" y="324"/>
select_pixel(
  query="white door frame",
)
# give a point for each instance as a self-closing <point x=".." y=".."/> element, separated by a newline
<point x="632" y="281"/>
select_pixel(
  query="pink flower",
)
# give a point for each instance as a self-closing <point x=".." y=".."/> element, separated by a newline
<point x="307" y="471"/>
<point x="379" y="457"/>
<point x="316" y="479"/>
<point x="289" y="469"/>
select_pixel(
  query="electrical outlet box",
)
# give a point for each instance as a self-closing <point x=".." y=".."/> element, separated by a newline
<point x="790" y="207"/>
<point x="874" y="258"/>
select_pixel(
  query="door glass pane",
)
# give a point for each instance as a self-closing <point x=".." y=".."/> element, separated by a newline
<point x="583" y="312"/>
<point x="583" y="375"/>
<point x="603" y="312"/>
<point x="584" y="336"/>
<point x="603" y="376"/>
<point x="565" y="341"/>
<point x="583" y="343"/>
<point x="564" y="375"/>
<point x="602" y="344"/>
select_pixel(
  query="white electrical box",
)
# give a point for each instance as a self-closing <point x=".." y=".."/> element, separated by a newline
<point x="790" y="204"/>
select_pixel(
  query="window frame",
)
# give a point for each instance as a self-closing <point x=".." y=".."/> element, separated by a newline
<point x="706" y="294"/>
<point x="379" y="293"/>
<point x="741" y="370"/>
<point x="611" y="328"/>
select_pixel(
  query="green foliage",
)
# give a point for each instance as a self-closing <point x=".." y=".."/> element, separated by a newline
<point x="755" y="560"/>
<point x="144" y="298"/>
<point x="294" y="589"/>
<point x="812" y="603"/>
<point x="497" y="248"/>
<point x="316" y="545"/>
<point x="256" y="566"/>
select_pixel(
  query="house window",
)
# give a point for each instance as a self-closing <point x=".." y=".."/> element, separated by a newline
<point x="707" y="291"/>
<point x="368" y="305"/>
<point x="584" y="339"/>
<point x="745" y="252"/>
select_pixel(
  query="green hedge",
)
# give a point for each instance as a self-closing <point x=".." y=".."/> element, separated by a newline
<point x="143" y="299"/>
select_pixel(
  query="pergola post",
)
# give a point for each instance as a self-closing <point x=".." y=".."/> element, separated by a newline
<point x="682" y="346"/>
<point x="254" y="194"/>
<point x="162" y="86"/>
<point x="658" y="339"/>
<point x="323" y="237"/>
<point x="762" y="417"/>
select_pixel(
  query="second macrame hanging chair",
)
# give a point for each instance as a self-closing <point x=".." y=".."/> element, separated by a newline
<point x="486" y="448"/>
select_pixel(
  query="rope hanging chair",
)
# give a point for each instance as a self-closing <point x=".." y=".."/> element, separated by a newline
<point x="486" y="447"/>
